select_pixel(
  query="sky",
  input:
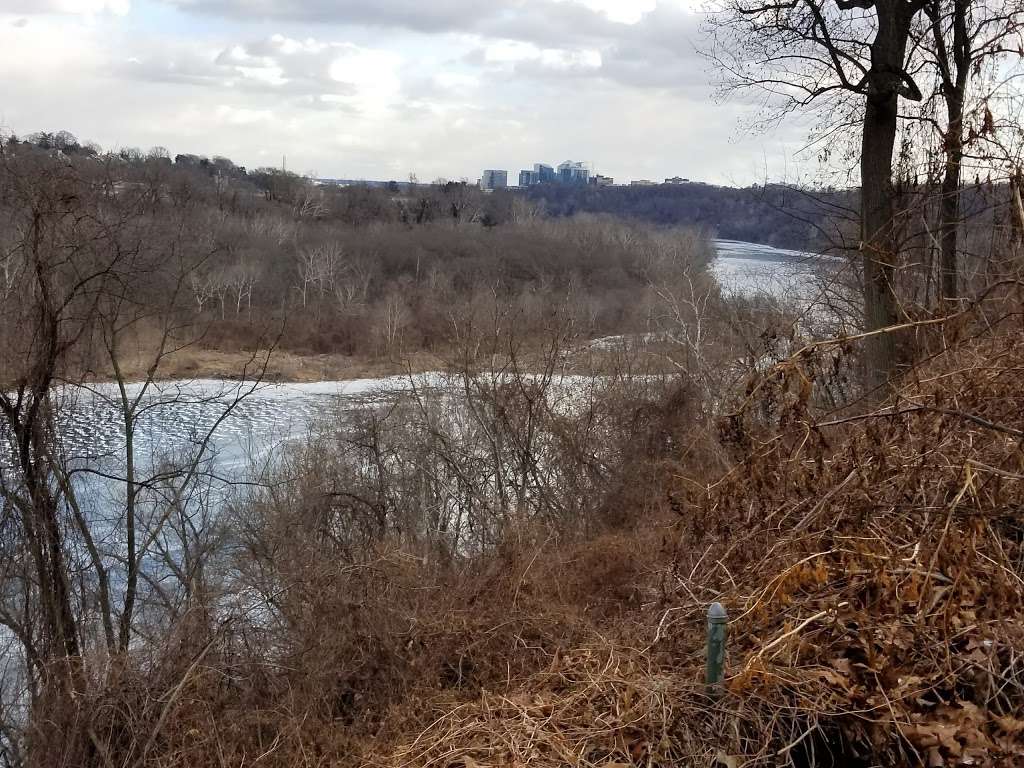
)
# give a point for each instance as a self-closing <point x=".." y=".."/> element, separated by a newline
<point x="381" y="89"/>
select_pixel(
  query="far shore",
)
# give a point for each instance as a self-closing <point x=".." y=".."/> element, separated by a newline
<point x="287" y="367"/>
<point x="281" y="367"/>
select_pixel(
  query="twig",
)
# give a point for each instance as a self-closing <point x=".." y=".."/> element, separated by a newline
<point x="796" y="630"/>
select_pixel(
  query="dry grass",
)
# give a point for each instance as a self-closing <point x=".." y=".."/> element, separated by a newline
<point x="200" y="363"/>
<point x="872" y="564"/>
<point x="873" y="570"/>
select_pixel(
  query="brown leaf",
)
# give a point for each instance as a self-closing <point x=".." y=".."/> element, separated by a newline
<point x="833" y="678"/>
<point x="1010" y="725"/>
<point x="935" y="735"/>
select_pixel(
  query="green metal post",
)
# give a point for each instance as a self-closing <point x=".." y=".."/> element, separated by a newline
<point x="718" y="621"/>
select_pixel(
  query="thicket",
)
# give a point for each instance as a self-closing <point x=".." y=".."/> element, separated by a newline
<point x="117" y="603"/>
<point x="509" y="566"/>
<point x="363" y="272"/>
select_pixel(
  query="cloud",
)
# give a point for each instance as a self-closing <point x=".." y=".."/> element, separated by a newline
<point x="536" y="19"/>
<point x="435" y="16"/>
<point x="310" y="73"/>
<point x="73" y="7"/>
<point x="640" y="43"/>
<point x="378" y="90"/>
<point x="624" y="11"/>
<point x="654" y="52"/>
<point x="659" y="52"/>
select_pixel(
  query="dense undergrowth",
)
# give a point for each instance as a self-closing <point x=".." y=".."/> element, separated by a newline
<point x="872" y="562"/>
<point x="872" y="567"/>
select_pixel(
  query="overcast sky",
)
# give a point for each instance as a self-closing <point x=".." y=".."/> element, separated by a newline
<point x="380" y="89"/>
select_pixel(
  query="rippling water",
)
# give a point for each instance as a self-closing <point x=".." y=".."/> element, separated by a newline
<point x="176" y="417"/>
<point x="240" y="421"/>
<point x="751" y="268"/>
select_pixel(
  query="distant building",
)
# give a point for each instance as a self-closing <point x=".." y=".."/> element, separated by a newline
<point x="677" y="180"/>
<point x="529" y="178"/>
<point x="494" y="180"/>
<point x="571" y="172"/>
<point x="545" y="173"/>
<point x="541" y="174"/>
<point x="643" y="183"/>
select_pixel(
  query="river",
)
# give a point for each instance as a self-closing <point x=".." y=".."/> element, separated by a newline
<point x="179" y="418"/>
<point x="749" y="268"/>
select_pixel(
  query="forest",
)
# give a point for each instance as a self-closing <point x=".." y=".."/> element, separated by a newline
<point x="348" y="279"/>
<point x="784" y="217"/>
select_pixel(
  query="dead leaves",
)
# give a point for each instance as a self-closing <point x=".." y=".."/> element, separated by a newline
<point x="961" y="735"/>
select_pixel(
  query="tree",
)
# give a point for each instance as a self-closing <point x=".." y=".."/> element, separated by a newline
<point x="93" y="288"/>
<point x="131" y="154"/>
<point x="159" y="155"/>
<point x="962" y="40"/>
<point x="66" y="142"/>
<point x="810" y="52"/>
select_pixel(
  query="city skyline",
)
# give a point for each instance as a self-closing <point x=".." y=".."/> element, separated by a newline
<point x="384" y="90"/>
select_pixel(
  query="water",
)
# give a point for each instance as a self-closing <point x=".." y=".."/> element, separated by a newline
<point x="231" y="428"/>
<point x="750" y="268"/>
<point x="239" y="419"/>
<point x="228" y="431"/>
<point x="179" y="420"/>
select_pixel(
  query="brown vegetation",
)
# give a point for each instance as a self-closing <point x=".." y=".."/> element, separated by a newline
<point x="369" y="274"/>
<point x="871" y="562"/>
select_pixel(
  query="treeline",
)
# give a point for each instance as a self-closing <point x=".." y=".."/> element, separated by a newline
<point x="268" y="257"/>
<point x="777" y="215"/>
<point x="220" y="181"/>
<point x="153" y="623"/>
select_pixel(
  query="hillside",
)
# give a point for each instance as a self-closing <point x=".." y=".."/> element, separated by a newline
<point x="775" y="215"/>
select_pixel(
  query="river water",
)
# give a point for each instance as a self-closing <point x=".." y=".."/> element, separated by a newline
<point x="749" y="268"/>
<point x="232" y="429"/>
<point x="182" y="418"/>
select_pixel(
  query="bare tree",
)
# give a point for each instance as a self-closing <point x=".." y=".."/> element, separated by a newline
<point x="965" y="40"/>
<point x="809" y="52"/>
<point x="102" y="291"/>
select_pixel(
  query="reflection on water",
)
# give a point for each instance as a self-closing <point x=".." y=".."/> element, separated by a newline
<point x="749" y="268"/>
<point x="176" y="419"/>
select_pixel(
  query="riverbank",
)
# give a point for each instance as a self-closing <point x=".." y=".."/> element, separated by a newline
<point x="642" y="353"/>
<point x="740" y="268"/>
<point x="277" y="366"/>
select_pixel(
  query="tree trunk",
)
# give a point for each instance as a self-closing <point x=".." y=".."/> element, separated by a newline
<point x="1017" y="184"/>
<point x="955" y="79"/>
<point x="878" y="241"/>
<point x="949" y="209"/>
<point x="879" y="247"/>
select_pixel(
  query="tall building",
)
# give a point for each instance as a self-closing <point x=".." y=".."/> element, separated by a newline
<point x="541" y="174"/>
<point x="571" y="172"/>
<point x="494" y="180"/>
<point x="529" y="178"/>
